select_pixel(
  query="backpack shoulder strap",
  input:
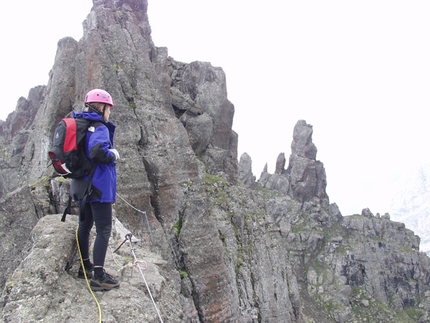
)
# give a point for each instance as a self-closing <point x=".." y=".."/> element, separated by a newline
<point x="87" y="193"/>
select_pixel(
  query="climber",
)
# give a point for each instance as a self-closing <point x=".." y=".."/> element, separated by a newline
<point x="97" y="207"/>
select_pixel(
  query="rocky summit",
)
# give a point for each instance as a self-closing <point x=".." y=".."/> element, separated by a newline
<point x="209" y="242"/>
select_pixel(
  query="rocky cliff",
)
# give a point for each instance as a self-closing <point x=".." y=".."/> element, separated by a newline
<point x="215" y="244"/>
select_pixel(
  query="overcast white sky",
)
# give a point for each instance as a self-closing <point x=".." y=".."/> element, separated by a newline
<point x="358" y="71"/>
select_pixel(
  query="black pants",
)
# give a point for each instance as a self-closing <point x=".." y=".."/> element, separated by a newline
<point x="101" y="215"/>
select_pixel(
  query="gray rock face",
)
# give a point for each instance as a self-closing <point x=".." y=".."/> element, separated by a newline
<point x="15" y="134"/>
<point x="36" y="285"/>
<point x="245" y="171"/>
<point x="305" y="177"/>
<point x="218" y="246"/>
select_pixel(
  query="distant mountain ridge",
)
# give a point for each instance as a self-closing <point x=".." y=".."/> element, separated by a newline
<point x="410" y="203"/>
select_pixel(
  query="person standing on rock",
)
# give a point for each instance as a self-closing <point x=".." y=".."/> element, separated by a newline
<point x="97" y="208"/>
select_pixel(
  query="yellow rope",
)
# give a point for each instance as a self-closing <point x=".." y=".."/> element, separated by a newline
<point x="86" y="278"/>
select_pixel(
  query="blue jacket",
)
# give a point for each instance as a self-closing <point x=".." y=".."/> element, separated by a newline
<point x="99" y="140"/>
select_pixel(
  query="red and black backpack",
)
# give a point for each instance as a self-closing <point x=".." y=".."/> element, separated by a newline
<point x="68" y="148"/>
<point x="69" y="158"/>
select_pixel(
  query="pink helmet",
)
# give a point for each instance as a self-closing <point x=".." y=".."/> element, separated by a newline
<point x="100" y="96"/>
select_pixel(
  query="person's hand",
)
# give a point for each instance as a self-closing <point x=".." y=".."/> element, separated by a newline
<point x="115" y="152"/>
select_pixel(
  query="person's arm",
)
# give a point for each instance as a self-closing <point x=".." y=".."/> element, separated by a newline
<point x="99" y="147"/>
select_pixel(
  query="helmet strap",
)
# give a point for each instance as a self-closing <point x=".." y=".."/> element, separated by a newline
<point x="104" y="109"/>
<point x="95" y="110"/>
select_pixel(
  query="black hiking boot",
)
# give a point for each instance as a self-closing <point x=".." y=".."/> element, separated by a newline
<point x="103" y="283"/>
<point x="89" y="272"/>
